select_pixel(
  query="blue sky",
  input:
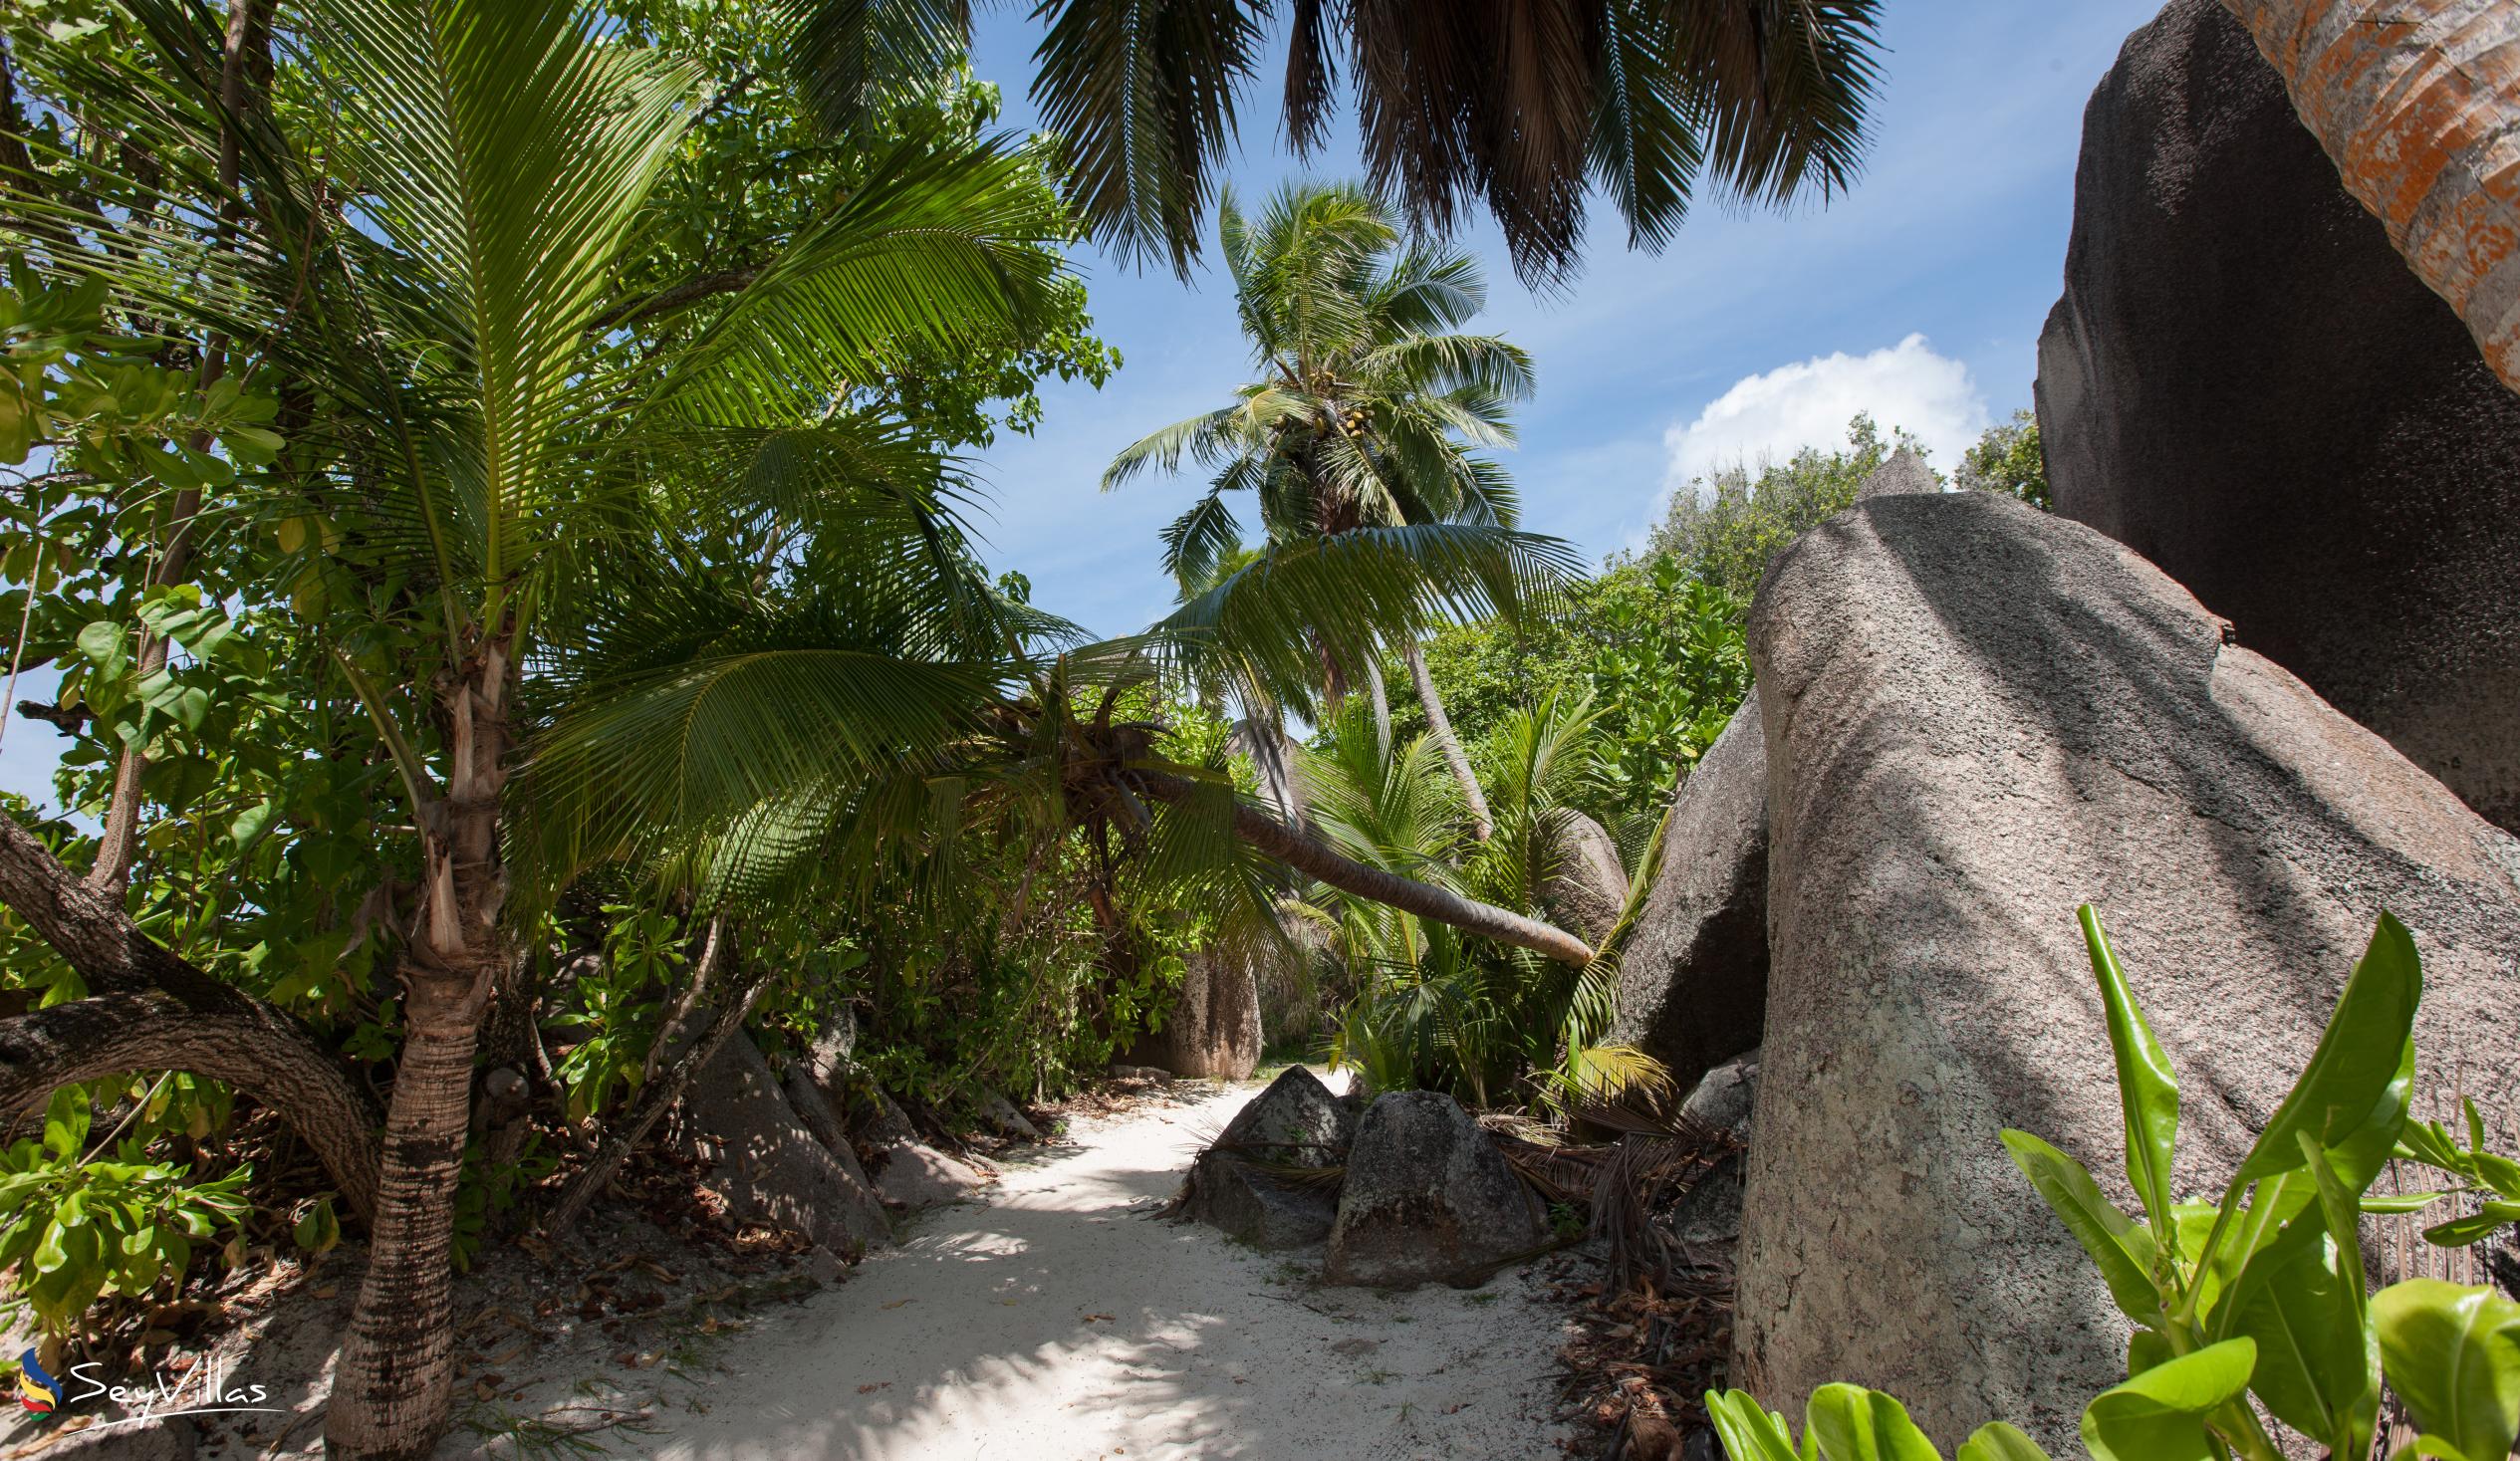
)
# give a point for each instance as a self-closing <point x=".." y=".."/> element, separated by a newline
<point x="1955" y="234"/>
<point x="1919" y="297"/>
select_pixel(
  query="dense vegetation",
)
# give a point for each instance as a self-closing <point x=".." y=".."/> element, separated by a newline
<point x="487" y="474"/>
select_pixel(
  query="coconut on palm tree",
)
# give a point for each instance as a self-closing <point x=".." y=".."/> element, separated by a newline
<point x="1371" y="407"/>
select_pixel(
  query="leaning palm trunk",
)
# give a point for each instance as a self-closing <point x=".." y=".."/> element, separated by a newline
<point x="1439" y="725"/>
<point x="1308" y="856"/>
<point x="397" y="1373"/>
<point x="1382" y="703"/>
<point x="2419" y="103"/>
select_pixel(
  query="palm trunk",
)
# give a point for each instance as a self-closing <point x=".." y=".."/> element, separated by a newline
<point x="1439" y="725"/>
<point x="702" y="970"/>
<point x="1315" y="858"/>
<point x="1382" y="703"/>
<point x="2419" y="103"/>
<point x="397" y="1371"/>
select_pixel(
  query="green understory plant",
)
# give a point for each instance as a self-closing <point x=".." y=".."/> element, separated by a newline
<point x="75" y="1230"/>
<point x="2262" y="1296"/>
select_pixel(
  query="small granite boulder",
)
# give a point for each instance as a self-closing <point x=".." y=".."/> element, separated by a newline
<point x="1294" y="1122"/>
<point x="1725" y="1097"/>
<point x="1429" y="1198"/>
<point x="915" y="1174"/>
<point x="1708" y="1215"/>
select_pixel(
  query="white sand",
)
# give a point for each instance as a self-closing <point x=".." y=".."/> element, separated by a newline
<point x="1060" y="1321"/>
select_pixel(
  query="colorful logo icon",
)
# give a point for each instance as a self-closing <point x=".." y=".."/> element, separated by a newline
<point x="37" y="1390"/>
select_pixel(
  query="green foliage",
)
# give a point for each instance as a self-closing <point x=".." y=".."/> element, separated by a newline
<point x="74" y="1229"/>
<point x="486" y="1188"/>
<point x="2261" y="1298"/>
<point x="1725" y="528"/>
<point x="1660" y="654"/>
<point x="2008" y="460"/>
<point x="1429" y="1008"/>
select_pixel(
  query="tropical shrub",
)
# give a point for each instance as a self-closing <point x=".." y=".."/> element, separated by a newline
<point x="1429" y="1007"/>
<point x="75" y="1228"/>
<point x="2008" y="460"/>
<point x="2260" y="1297"/>
<point x="1658" y="652"/>
<point x="1725" y="527"/>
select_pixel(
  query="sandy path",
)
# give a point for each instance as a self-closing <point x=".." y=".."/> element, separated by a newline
<point x="1059" y="1323"/>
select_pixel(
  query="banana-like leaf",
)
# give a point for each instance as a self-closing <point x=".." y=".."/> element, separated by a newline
<point x="1753" y="1434"/>
<point x="2117" y="1245"/>
<point x="2452" y="1355"/>
<point x="1998" y="1441"/>
<point x="2159" y="1416"/>
<point x="1856" y="1424"/>
<point x="2352" y="1098"/>
<point x="2148" y="1089"/>
<point x="2301" y="1301"/>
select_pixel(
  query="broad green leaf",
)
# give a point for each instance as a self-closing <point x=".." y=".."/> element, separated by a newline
<point x="2122" y="1250"/>
<point x="2146" y="1348"/>
<point x="2148" y="1089"/>
<point x="1997" y="1441"/>
<point x="2435" y="1448"/>
<point x="2474" y="1228"/>
<point x="1856" y="1424"/>
<point x="2292" y="1302"/>
<point x="66" y="1122"/>
<point x="2453" y="1358"/>
<point x="2351" y="1097"/>
<point x="2159" y="1416"/>
<point x="1749" y="1433"/>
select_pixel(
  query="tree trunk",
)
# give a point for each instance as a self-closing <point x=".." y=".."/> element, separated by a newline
<point x="247" y="40"/>
<point x="685" y="1003"/>
<point x="151" y="1010"/>
<point x="2419" y="103"/>
<point x="1306" y="854"/>
<point x="1382" y="703"/>
<point x="654" y="1100"/>
<point x="397" y="1371"/>
<point x="1439" y="725"/>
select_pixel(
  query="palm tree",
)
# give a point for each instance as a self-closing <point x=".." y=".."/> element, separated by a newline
<point x="1432" y="1008"/>
<point x="701" y="720"/>
<point x="1369" y="408"/>
<point x="488" y="411"/>
<point x="1523" y="106"/>
<point x="2419" y="103"/>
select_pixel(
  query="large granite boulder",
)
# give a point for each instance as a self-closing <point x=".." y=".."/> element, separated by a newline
<point x="1978" y="717"/>
<point x="2246" y="384"/>
<point x="1693" y="983"/>
<point x="1428" y="1199"/>
<point x="1296" y="1123"/>
<point x="1586" y="884"/>
<point x="766" y="1163"/>
<point x="1214" y="1027"/>
<point x="1708" y="1218"/>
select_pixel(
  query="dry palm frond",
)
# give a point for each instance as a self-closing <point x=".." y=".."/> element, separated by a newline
<point x="1558" y="1173"/>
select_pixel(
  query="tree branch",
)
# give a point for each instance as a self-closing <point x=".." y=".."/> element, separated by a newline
<point x="153" y="1010"/>
<point x="1308" y="854"/>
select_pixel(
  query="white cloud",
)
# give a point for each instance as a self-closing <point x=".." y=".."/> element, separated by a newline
<point x="1772" y="415"/>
